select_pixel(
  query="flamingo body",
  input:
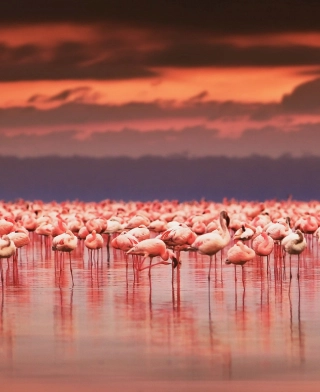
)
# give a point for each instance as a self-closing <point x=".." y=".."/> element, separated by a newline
<point x="263" y="244"/>
<point x="7" y="247"/>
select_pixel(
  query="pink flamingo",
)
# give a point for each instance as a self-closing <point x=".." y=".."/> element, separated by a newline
<point x="6" y="226"/>
<point x="294" y="244"/>
<point x="124" y="241"/>
<point x="307" y="225"/>
<point x="158" y="226"/>
<point x="141" y="233"/>
<point x="199" y="228"/>
<point x="113" y="227"/>
<point x="97" y="224"/>
<point x="137" y="220"/>
<point x="65" y="242"/>
<point x="263" y="245"/>
<point x="7" y="249"/>
<point x="93" y="241"/>
<point x="239" y="254"/>
<point x="20" y="237"/>
<point x="178" y="236"/>
<point x="59" y="228"/>
<point x="245" y="233"/>
<point x="151" y="248"/>
<point x="211" y="243"/>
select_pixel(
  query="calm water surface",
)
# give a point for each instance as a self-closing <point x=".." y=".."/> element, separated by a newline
<point x="112" y="329"/>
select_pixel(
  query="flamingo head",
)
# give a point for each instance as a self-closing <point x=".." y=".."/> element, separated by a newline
<point x="225" y="216"/>
<point x="175" y="261"/>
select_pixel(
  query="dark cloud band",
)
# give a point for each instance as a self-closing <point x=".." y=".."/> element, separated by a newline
<point x="220" y="17"/>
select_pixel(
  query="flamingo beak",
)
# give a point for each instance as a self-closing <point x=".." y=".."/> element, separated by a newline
<point x="175" y="262"/>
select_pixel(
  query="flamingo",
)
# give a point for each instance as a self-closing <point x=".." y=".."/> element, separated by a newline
<point x="113" y="226"/>
<point x="239" y="254"/>
<point x="263" y="245"/>
<point x="83" y="232"/>
<point x="7" y="249"/>
<point x="199" y="228"/>
<point x="45" y="230"/>
<point x="307" y="225"/>
<point x="6" y="226"/>
<point x="210" y="243"/>
<point x="124" y="241"/>
<point x="20" y="237"/>
<point x="93" y="242"/>
<point x="151" y="248"/>
<point x="75" y="224"/>
<point x="138" y="220"/>
<point x="65" y="242"/>
<point x="97" y="224"/>
<point x="141" y="233"/>
<point x="277" y="231"/>
<point x="158" y="226"/>
<point x="294" y="244"/>
<point x="59" y="228"/>
<point x="29" y="221"/>
<point x="178" y="236"/>
<point x="245" y="233"/>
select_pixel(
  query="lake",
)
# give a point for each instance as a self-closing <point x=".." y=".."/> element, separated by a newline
<point x="116" y="331"/>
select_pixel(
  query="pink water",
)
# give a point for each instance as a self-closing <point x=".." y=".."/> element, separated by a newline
<point x="113" y="332"/>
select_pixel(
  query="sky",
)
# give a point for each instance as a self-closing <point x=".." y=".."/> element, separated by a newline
<point x="135" y="78"/>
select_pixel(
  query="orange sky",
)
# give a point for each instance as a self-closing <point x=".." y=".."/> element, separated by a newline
<point x="244" y="85"/>
<point x="208" y="68"/>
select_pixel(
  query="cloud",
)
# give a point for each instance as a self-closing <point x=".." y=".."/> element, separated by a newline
<point x="231" y="16"/>
<point x="198" y="97"/>
<point x="305" y="98"/>
<point x="204" y="54"/>
<point x="191" y="142"/>
<point x="68" y="60"/>
<point x="78" y="110"/>
<point x="78" y="94"/>
<point x="75" y="112"/>
<point x="79" y="107"/>
<point x="100" y="61"/>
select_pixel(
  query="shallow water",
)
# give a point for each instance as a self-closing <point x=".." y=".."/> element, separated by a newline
<point x="114" y="330"/>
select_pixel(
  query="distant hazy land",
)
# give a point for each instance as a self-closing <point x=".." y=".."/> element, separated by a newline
<point x="149" y="178"/>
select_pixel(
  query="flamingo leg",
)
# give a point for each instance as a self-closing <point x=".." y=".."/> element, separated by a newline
<point x="150" y="266"/>
<point x="71" y="269"/>
<point x="210" y="267"/>
<point x="298" y="274"/>
<point x="244" y="287"/>
<point x="1" y="271"/>
<point x="290" y="267"/>
<point x="108" y="248"/>
<point x="153" y="265"/>
<point x="140" y="263"/>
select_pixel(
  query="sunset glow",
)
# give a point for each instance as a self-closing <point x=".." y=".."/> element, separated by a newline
<point x="79" y="72"/>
